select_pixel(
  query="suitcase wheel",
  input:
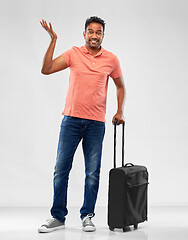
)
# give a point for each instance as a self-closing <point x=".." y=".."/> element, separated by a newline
<point x="111" y="228"/>
<point x="135" y="226"/>
<point x="126" y="229"/>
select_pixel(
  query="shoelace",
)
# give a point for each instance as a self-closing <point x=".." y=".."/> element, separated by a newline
<point x="50" y="221"/>
<point x="87" y="220"/>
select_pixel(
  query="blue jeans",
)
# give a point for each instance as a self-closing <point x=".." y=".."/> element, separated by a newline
<point x="73" y="130"/>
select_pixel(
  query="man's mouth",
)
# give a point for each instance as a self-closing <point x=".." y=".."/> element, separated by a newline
<point x="93" y="41"/>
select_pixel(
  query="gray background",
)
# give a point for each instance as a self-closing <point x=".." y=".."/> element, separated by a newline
<point x="150" y="39"/>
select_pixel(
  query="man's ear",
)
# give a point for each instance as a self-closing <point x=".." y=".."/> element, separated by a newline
<point x="84" y="33"/>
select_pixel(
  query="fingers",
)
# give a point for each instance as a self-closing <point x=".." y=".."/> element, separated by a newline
<point x="113" y="120"/>
<point x="50" y="26"/>
<point x="45" y="25"/>
<point x="48" y="29"/>
<point x="120" y="120"/>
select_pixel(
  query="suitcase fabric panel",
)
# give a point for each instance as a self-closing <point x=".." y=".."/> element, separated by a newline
<point x="116" y="198"/>
<point x="136" y="203"/>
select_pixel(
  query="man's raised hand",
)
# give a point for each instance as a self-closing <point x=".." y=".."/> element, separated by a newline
<point x="49" y="29"/>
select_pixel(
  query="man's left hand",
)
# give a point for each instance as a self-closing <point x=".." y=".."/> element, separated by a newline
<point x="119" y="117"/>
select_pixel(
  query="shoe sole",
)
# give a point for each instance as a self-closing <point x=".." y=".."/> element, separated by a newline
<point x="47" y="230"/>
<point x="89" y="229"/>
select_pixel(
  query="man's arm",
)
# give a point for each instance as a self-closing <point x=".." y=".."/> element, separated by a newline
<point x="120" y="99"/>
<point x="50" y="65"/>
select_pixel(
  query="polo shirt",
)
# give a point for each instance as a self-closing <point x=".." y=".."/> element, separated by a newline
<point x="88" y="82"/>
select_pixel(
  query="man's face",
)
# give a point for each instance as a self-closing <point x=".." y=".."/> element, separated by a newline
<point x="94" y="35"/>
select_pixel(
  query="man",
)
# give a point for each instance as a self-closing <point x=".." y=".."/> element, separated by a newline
<point x="84" y="116"/>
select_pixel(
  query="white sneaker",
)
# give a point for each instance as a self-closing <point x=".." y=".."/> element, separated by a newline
<point x="51" y="225"/>
<point x="87" y="224"/>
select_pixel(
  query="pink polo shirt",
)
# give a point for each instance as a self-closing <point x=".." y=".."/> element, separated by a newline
<point x="88" y="82"/>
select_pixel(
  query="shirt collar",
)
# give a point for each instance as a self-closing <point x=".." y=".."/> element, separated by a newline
<point x="84" y="50"/>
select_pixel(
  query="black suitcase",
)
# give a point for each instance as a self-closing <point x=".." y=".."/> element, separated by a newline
<point x="127" y="193"/>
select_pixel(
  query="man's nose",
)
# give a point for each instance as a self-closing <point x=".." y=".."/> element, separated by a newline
<point x="94" y="35"/>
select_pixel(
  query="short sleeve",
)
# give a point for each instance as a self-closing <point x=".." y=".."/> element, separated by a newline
<point x="67" y="56"/>
<point x="116" y="72"/>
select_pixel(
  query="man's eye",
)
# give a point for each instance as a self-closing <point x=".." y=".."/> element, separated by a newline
<point x="97" y="33"/>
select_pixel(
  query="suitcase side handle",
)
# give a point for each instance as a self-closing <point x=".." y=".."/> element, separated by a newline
<point x="123" y="142"/>
<point x="129" y="165"/>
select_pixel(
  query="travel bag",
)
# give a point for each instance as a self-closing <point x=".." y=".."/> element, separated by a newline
<point x="127" y="192"/>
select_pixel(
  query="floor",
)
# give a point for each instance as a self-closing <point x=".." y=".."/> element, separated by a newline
<point x="163" y="223"/>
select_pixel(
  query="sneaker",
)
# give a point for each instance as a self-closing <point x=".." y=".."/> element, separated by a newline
<point x="87" y="224"/>
<point x="51" y="224"/>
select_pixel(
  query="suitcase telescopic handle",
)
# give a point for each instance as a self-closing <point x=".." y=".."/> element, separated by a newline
<point x="123" y="140"/>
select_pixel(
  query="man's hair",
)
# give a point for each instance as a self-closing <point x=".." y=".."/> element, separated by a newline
<point x="95" y="19"/>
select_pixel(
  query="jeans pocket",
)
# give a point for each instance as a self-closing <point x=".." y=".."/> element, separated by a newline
<point x="65" y="118"/>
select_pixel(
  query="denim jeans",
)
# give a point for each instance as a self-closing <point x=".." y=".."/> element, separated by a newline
<point x="73" y="130"/>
